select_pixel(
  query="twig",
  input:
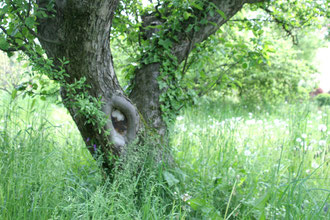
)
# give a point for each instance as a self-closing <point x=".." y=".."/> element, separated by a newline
<point x="283" y="25"/>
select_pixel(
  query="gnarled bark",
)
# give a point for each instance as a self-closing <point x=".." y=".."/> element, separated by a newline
<point x="83" y="30"/>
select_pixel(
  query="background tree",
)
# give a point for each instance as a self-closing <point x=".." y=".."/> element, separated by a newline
<point x="75" y="37"/>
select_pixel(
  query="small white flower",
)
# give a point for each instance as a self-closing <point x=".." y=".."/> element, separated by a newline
<point x="277" y="122"/>
<point x="179" y="118"/>
<point x="313" y="141"/>
<point x="298" y="140"/>
<point x="322" y="128"/>
<point x="185" y="197"/>
<point x="322" y="142"/>
<point x="251" y="122"/>
<point x="319" y="112"/>
<point x="247" y="153"/>
<point x="308" y="171"/>
<point x="315" y="165"/>
<point x="304" y="136"/>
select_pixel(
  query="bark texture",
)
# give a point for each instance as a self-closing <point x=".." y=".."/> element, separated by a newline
<point x="83" y="30"/>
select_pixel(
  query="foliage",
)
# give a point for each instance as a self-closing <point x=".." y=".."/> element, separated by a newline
<point x="245" y="55"/>
<point x="239" y="59"/>
<point x="17" y="79"/>
<point x="255" y="64"/>
<point x="323" y="99"/>
<point x="244" y="162"/>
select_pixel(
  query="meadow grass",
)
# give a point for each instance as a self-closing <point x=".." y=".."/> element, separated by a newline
<point x="234" y="161"/>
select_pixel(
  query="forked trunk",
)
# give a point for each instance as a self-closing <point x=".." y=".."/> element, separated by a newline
<point x="79" y="31"/>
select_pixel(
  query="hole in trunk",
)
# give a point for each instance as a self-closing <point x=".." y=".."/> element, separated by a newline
<point x="119" y="122"/>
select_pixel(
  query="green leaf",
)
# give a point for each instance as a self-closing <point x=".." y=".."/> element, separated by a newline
<point x="170" y="179"/>
<point x="186" y="15"/>
<point x="165" y="43"/>
<point x="245" y="65"/>
<point x="197" y="203"/>
<point x="199" y="7"/>
<point x="29" y="22"/>
<point x="222" y="14"/>
<point x="33" y="103"/>
<point x="4" y="45"/>
<point x="14" y="94"/>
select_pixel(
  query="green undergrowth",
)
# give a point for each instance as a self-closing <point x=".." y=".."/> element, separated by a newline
<point x="234" y="161"/>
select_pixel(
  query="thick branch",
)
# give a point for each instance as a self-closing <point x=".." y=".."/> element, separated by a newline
<point x="229" y="9"/>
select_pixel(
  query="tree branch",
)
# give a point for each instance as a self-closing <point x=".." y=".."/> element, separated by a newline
<point x="12" y="41"/>
<point x="218" y="80"/>
<point x="29" y="29"/>
<point x="225" y="9"/>
<point x="283" y="24"/>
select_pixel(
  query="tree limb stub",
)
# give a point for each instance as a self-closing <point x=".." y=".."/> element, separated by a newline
<point x="123" y="110"/>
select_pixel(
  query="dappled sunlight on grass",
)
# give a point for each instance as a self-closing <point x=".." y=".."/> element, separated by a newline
<point x="276" y="158"/>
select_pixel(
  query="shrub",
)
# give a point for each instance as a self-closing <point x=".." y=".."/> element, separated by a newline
<point x="323" y="99"/>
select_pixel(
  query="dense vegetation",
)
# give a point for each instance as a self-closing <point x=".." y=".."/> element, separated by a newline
<point x="234" y="161"/>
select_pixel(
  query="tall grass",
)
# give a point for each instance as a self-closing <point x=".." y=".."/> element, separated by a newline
<point x="234" y="161"/>
<point x="255" y="162"/>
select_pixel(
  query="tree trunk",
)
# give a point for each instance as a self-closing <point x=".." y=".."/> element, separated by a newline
<point x="83" y="30"/>
<point x="146" y="90"/>
<point x="79" y="31"/>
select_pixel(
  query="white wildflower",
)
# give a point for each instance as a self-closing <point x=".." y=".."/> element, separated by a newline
<point x="315" y="165"/>
<point x="304" y="136"/>
<point x="247" y="153"/>
<point x="298" y="140"/>
<point x="277" y="122"/>
<point x="322" y="128"/>
<point x="251" y="122"/>
<point x="179" y="118"/>
<point x="185" y="197"/>
<point x="322" y="143"/>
